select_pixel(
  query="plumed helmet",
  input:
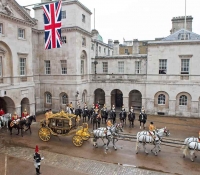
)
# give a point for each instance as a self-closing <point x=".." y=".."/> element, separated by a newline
<point x="36" y="149"/>
<point x="152" y="123"/>
<point x="15" y="113"/>
<point x="25" y="110"/>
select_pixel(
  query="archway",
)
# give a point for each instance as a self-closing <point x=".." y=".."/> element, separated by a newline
<point x="64" y="100"/>
<point x="117" y="98"/>
<point x="135" y="99"/>
<point x="25" y="105"/>
<point x="99" y="95"/>
<point x="7" y="104"/>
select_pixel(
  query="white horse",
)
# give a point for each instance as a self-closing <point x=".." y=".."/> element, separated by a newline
<point x="109" y="133"/>
<point x="159" y="132"/>
<point x="148" y="139"/>
<point x="188" y="140"/>
<point x="190" y="149"/>
<point x="4" y="119"/>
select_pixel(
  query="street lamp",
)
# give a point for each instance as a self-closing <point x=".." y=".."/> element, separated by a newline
<point x="95" y="66"/>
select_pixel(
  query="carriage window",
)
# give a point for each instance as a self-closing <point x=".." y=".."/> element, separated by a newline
<point x="1" y="66"/>
<point x="22" y="66"/>
<point x="64" y="99"/>
<point x="137" y="67"/>
<point x="105" y="67"/>
<point x="121" y="67"/>
<point x="63" y="66"/>
<point x="161" y="99"/>
<point x="183" y="100"/>
<point x="162" y="66"/>
<point x="48" y="98"/>
<point x="47" y="67"/>
<point x="185" y="66"/>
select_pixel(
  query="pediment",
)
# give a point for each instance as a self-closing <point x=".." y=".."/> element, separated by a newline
<point x="13" y="9"/>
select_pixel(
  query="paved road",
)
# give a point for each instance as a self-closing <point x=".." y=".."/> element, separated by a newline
<point x="62" y="156"/>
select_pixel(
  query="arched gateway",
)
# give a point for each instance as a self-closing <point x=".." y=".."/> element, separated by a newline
<point x="117" y="98"/>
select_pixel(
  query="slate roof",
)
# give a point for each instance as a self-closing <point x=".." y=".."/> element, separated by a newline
<point x="177" y="35"/>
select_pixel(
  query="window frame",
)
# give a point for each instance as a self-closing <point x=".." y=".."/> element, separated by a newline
<point x="105" y="67"/>
<point x="162" y="66"/>
<point x="19" y="33"/>
<point x="48" y="100"/>
<point x="99" y="49"/>
<point x="64" y="99"/>
<point x="161" y="99"/>
<point x="83" y="41"/>
<point x="64" y="39"/>
<point x="183" y="100"/>
<point x="83" y="18"/>
<point x="22" y="66"/>
<point x="126" y="51"/>
<point x="1" y="28"/>
<point x="185" y="66"/>
<point x="47" y="69"/>
<point x="63" y="14"/>
<point x="63" y="64"/>
<point x="82" y="67"/>
<point x="1" y="66"/>
<point x="137" y="67"/>
<point x="120" y="67"/>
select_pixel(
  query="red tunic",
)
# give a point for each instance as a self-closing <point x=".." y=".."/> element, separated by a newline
<point x="24" y="114"/>
<point x="2" y="112"/>
<point x="15" y="117"/>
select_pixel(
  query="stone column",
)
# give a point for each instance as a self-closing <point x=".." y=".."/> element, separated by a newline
<point x="126" y="103"/>
<point x="172" y="107"/>
<point x="195" y="109"/>
<point x="108" y="101"/>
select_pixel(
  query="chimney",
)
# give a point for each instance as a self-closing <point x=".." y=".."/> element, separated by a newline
<point x="110" y="42"/>
<point x="135" y="46"/>
<point x="116" y="47"/>
<point x="179" y="23"/>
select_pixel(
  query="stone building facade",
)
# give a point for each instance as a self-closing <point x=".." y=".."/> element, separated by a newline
<point x="160" y="75"/>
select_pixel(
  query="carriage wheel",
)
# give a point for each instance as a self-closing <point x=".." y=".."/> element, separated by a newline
<point x="77" y="140"/>
<point x="44" y="134"/>
<point x="85" y="135"/>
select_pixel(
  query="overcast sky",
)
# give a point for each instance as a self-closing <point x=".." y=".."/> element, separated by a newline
<point x="136" y="19"/>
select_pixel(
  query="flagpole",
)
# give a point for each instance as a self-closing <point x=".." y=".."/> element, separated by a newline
<point x="94" y="18"/>
<point x="185" y="21"/>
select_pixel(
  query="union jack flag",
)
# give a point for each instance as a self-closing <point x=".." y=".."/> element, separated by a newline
<point x="52" y="25"/>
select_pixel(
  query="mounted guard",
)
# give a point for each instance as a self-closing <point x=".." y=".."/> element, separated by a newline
<point x="24" y="114"/>
<point x="131" y="116"/>
<point x="2" y="112"/>
<point x="15" y="120"/>
<point x="104" y="113"/>
<point x="123" y="115"/>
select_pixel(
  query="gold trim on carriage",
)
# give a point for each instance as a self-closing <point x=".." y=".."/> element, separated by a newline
<point x="64" y="124"/>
